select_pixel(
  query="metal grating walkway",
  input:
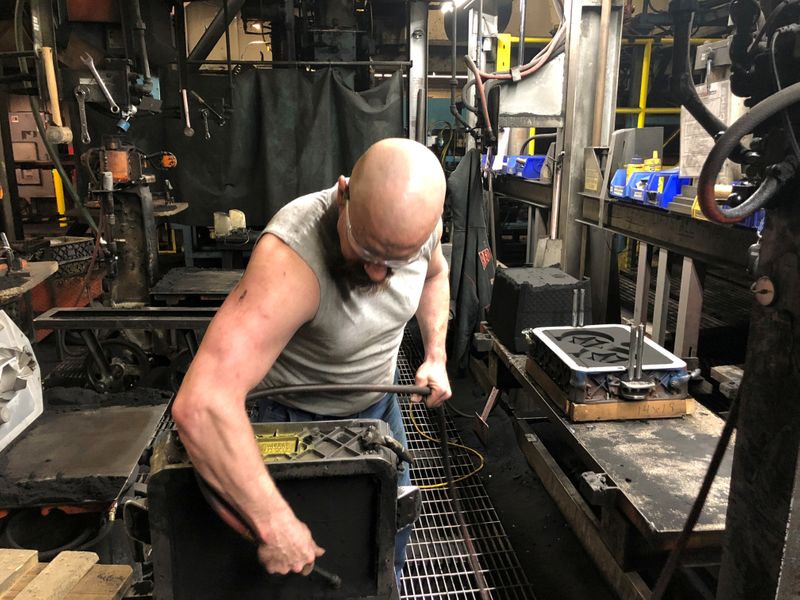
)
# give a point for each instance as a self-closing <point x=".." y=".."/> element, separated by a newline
<point x="437" y="563"/>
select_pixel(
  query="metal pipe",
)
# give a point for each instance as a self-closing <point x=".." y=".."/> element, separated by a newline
<point x="555" y="203"/>
<point x="218" y="26"/>
<point x="305" y="63"/>
<point x="645" y="83"/>
<point x="602" y="62"/>
<point x="521" y="46"/>
<point x="575" y="307"/>
<point x="582" y="307"/>
<point x="639" y="351"/>
<point x="632" y="353"/>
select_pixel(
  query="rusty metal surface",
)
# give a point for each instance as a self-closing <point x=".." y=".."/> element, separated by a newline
<point x="194" y="281"/>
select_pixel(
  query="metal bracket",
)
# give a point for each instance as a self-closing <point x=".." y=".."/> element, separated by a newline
<point x="598" y="489"/>
<point x="409" y="505"/>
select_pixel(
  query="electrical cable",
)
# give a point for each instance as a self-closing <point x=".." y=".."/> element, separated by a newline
<point x="785" y="113"/>
<point x="769" y="23"/>
<point x="726" y="144"/>
<point x="538" y="136"/>
<point x="697" y="508"/>
<point x="66" y="181"/>
<point x="475" y="471"/>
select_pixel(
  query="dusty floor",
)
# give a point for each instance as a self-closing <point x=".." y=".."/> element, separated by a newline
<point x="552" y="557"/>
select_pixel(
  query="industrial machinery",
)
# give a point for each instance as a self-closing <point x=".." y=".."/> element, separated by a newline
<point x="339" y="477"/>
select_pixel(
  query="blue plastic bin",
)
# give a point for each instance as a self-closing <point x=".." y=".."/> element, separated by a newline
<point x="618" y="181"/>
<point x="670" y="183"/>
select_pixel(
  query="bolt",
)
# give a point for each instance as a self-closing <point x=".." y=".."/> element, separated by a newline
<point x="764" y="291"/>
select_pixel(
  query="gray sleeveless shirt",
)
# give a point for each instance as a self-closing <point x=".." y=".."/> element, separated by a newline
<point x="352" y="338"/>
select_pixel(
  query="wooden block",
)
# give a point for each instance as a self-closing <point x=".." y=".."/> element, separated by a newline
<point x="13" y="564"/>
<point x="103" y="582"/>
<point x="58" y="578"/>
<point x="623" y="410"/>
<point x="726" y="373"/>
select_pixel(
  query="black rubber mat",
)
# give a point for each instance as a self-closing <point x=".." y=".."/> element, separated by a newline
<point x="437" y="560"/>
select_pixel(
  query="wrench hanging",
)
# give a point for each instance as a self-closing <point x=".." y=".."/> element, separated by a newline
<point x="80" y="95"/>
<point x="87" y="60"/>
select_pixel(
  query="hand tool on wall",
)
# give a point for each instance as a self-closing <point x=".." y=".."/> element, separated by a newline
<point x="89" y="62"/>
<point x="56" y="133"/>
<point x="80" y="95"/>
<point x="187" y="130"/>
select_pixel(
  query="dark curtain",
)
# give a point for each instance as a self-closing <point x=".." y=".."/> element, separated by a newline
<point x="472" y="263"/>
<point x="292" y="132"/>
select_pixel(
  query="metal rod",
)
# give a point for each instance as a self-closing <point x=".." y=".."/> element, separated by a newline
<point x="521" y="47"/>
<point x="98" y="356"/>
<point x="228" y="66"/>
<point x="581" y="307"/>
<point x="306" y="63"/>
<point x="555" y="203"/>
<point x="640" y="351"/>
<point x="575" y="308"/>
<point x="632" y="352"/>
<point x="602" y="62"/>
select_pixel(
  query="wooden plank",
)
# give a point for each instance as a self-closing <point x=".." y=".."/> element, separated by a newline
<point x="13" y="564"/>
<point x="727" y="373"/>
<point x="59" y="577"/>
<point x="103" y="582"/>
<point x="23" y="581"/>
<point x="627" y="410"/>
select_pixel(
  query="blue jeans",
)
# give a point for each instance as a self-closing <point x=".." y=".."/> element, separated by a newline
<point x="386" y="409"/>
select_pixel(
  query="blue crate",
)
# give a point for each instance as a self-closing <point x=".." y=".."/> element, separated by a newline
<point x="527" y="167"/>
<point x="618" y="182"/>
<point x="636" y="186"/>
<point x="670" y="183"/>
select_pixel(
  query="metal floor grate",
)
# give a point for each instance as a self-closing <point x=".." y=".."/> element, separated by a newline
<point x="437" y="562"/>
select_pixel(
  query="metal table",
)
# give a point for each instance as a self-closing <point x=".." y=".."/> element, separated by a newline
<point x="654" y="469"/>
<point x="195" y="285"/>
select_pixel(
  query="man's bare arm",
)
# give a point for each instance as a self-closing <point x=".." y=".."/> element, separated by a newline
<point x="276" y="295"/>
<point x="432" y="315"/>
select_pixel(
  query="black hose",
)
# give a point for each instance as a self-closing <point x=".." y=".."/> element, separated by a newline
<point x="697" y="508"/>
<point x="728" y="142"/>
<point x="465" y="94"/>
<point x="338" y="388"/>
<point x="682" y="84"/>
<point x="66" y="181"/>
<point x="472" y="555"/>
<point x="538" y="136"/>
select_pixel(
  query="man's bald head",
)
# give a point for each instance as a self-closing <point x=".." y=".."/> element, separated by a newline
<point x="397" y="192"/>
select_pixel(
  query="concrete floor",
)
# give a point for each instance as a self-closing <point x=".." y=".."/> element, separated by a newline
<point x="551" y="555"/>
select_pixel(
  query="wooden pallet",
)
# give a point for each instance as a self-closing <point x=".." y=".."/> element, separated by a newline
<point x="626" y="410"/>
<point x="69" y="576"/>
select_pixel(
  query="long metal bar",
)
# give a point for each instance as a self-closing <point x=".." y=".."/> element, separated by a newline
<point x="661" y="303"/>
<point x="521" y="47"/>
<point x="642" y="300"/>
<point x="306" y="63"/>
<point x="168" y="317"/>
<point x="690" y="305"/>
<point x="645" y="82"/>
<point x="699" y="239"/>
<point x="602" y="60"/>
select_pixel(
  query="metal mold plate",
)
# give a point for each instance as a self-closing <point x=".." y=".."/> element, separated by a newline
<point x="602" y="348"/>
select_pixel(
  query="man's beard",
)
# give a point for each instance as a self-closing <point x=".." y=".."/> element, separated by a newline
<point x="348" y="276"/>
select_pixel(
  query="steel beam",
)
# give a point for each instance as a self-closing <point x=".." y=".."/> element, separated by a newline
<point x="418" y="73"/>
<point x="661" y="302"/>
<point x="216" y="29"/>
<point x="582" y="78"/>
<point x="690" y="307"/>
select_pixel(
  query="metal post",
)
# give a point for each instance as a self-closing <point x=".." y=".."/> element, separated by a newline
<point x="661" y="303"/>
<point x="583" y="37"/>
<point x="645" y="82"/>
<point x="418" y="73"/>
<point x="536" y="231"/>
<point x="690" y="305"/>
<point x="521" y="47"/>
<point x="642" y="301"/>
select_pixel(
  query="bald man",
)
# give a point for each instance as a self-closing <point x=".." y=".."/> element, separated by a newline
<point x="325" y="298"/>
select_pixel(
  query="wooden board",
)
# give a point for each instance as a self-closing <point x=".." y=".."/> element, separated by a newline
<point x="627" y="410"/>
<point x="97" y="582"/>
<point x="13" y="564"/>
<point x="58" y="578"/>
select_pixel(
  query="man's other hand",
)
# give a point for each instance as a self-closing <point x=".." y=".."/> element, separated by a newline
<point x="289" y="547"/>
<point x="433" y="374"/>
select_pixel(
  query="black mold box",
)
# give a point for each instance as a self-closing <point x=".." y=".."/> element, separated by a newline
<point x="343" y="491"/>
<point x="526" y="297"/>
